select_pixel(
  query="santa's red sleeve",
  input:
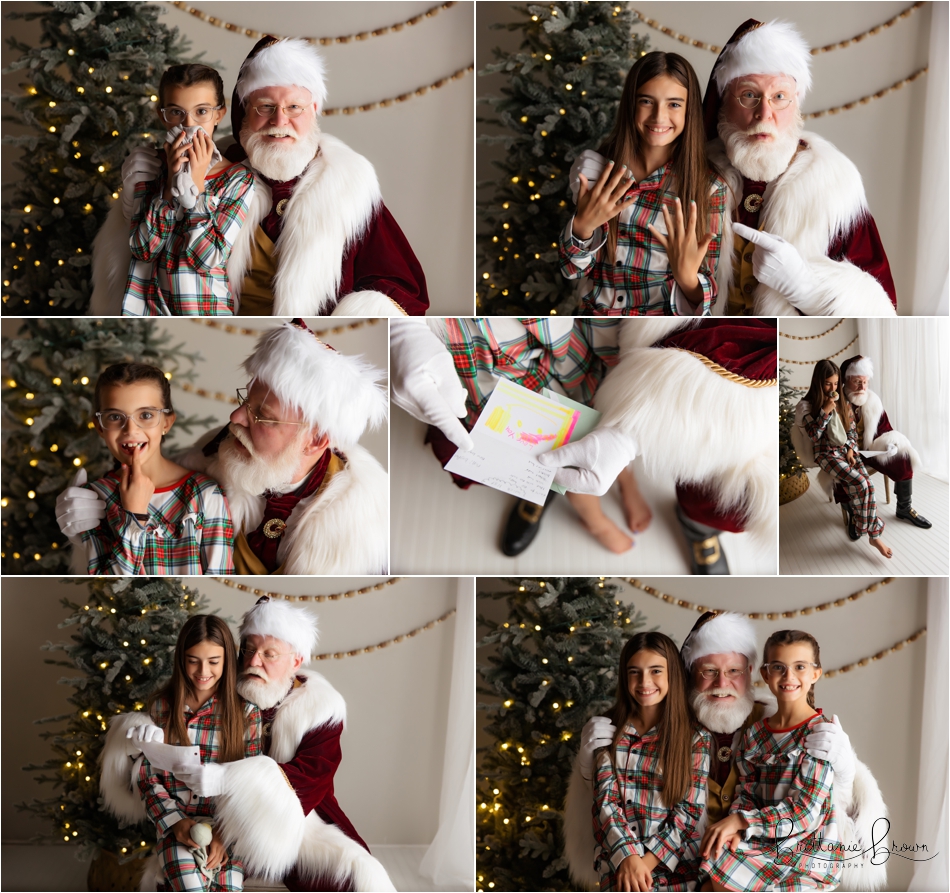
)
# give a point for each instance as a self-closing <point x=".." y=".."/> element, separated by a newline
<point x="862" y="246"/>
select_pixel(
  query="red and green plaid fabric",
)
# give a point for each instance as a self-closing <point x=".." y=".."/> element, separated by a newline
<point x="817" y="426"/>
<point x="188" y="532"/>
<point x="640" y="282"/>
<point x="179" y="265"/>
<point x="630" y="816"/>
<point x="785" y="795"/>
<point x="568" y="356"/>
<point x="859" y="489"/>
<point x="168" y="801"/>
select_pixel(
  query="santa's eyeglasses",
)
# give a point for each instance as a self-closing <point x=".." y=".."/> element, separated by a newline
<point x="252" y="411"/>
<point x="730" y="673"/>
<point x="268" y="655"/>
<point x="749" y="99"/>
<point x="269" y="109"/>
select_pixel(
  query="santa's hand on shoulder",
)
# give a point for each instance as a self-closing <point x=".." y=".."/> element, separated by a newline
<point x="591" y="464"/>
<point x="142" y="165"/>
<point x="598" y="732"/>
<point x="79" y="509"/>
<point x="828" y="741"/>
<point x="208" y="780"/>
<point x="425" y="383"/>
<point x="778" y="265"/>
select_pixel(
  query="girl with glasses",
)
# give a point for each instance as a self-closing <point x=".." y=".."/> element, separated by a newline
<point x="781" y="833"/>
<point x="160" y="518"/>
<point x="185" y="221"/>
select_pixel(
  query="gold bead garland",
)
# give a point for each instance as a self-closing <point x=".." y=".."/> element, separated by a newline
<point x="812" y="337"/>
<point x="841" y="44"/>
<point x="336" y="596"/>
<point x="402" y="97"/>
<point x="322" y="41"/>
<point x="864" y="100"/>
<point x="759" y="615"/>
<point x="241" y="330"/>
<point x="812" y="362"/>
<point x="189" y="388"/>
<point x="337" y="655"/>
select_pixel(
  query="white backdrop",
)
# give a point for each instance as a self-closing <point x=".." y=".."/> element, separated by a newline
<point x="884" y="138"/>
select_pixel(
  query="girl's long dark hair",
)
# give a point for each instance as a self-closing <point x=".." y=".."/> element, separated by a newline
<point x="690" y="165"/>
<point x="825" y="369"/>
<point x="198" y="629"/>
<point x="793" y="637"/>
<point x="676" y="726"/>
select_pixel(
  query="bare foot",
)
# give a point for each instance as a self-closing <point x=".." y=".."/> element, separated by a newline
<point x="600" y="526"/>
<point x="635" y="508"/>
<point x="878" y="544"/>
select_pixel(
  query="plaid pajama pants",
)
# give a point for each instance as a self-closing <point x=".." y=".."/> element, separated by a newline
<point x="754" y="866"/>
<point x="181" y="872"/>
<point x="860" y="490"/>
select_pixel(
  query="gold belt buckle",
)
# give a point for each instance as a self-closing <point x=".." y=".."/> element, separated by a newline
<point x="699" y="548"/>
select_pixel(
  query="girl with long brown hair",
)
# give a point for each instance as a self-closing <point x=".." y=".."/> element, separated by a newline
<point x="199" y="706"/>
<point x="645" y="236"/>
<point x="781" y="832"/>
<point x="829" y="423"/>
<point x="650" y="784"/>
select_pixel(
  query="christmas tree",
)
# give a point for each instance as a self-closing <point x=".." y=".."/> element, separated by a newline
<point x="566" y="81"/>
<point x="790" y="465"/>
<point x="48" y="432"/>
<point x="555" y="667"/>
<point x="123" y="647"/>
<point x="90" y="96"/>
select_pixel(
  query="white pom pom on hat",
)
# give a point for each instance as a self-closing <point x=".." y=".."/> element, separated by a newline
<point x="272" y="617"/>
<point x="339" y="395"/>
<point x="287" y="62"/>
<point x="771" y="48"/>
<point x="721" y="633"/>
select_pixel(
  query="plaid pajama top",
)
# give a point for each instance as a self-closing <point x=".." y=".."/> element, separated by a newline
<point x="179" y="265"/>
<point x="640" y="282"/>
<point x="167" y="800"/>
<point x="630" y="816"/>
<point x="568" y="356"/>
<point x="188" y="531"/>
<point x="815" y="428"/>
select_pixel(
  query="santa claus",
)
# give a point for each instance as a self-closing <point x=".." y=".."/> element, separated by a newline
<point x="305" y="497"/>
<point x="318" y="239"/>
<point x="876" y="434"/>
<point x="797" y="217"/>
<point x="720" y="655"/>
<point x="277" y="811"/>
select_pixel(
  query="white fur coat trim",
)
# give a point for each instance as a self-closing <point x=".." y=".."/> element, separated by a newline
<point x="871" y="412"/>
<point x="326" y="850"/>
<point x="117" y="784"/>
<point x="685" y="418"/>
<point x="819" y="196"/>
<point x="309" y="706"/>
<point x="368" y="303"/>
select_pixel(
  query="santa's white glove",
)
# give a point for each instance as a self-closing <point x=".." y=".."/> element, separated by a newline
<point x="208" y="780"/>
<point x="589" y="163"/>
<point x="142" y="165"/>
<point x="777" y="264"/>
<point x="828" y="741"/>
<point x="425" y="382"/>
<point x="78" y="509"/>
<point x="138" y="734"/>
<point x="599" y="732"/>
<point x="591" y="464"/>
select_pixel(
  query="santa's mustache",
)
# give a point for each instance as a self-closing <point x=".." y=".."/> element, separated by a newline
<point x="721" y="692"/>
<point x="241" y="436"/>
<point x="278" y="131"/>
<point x="254" y="671"/>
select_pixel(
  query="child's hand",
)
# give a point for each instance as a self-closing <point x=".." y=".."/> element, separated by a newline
<point x="182" y="831"/>
<point x="199" y="154"/>
<point x="684" y="248"/>
<point x="851" y="458"/>
<point x="135" y="486"/>
<point x="603" y="201"/>
<point x="176" y="154"/>
<point x="634" y="875"/>
<point x="217" y="853"/>
<point x="725" y="833"/>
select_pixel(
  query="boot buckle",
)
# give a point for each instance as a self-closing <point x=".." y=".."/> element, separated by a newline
<point x="711" y="545"/>
<point x="529" y="511"/>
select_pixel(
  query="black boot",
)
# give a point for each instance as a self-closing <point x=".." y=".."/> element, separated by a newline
<point x="849" y="521"/>
<point x="903" y="491"/>
<point x="706" y="555"/>
<point x="523" y="525"/>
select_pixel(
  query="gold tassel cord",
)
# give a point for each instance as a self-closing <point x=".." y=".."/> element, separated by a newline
<point x="333" y="597"/>
<point x="403" y="97"/>
<point x="730" y="376"/>
<point x="812" y="337"/>
<point x="338" y="655"/>
<point x="759" y="615"/>
<point x="242" y="330"/>
<point x="322" y="41"/>
<point x="841" y="44"/>
<point x="812" y="362"/>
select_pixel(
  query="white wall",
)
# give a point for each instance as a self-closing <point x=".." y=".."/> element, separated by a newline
<point x="879" y="705"/>
<point x="816" y="349"/>
<point x="390" y="778"/>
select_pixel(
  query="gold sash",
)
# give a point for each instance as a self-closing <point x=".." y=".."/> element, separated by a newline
<point x="741" y="292"/>
<point x="719" y="798"/>
<point x="257" y="294"/>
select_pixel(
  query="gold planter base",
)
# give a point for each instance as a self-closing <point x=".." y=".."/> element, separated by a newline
<point x="791" y="488"/>
<point x="105" y="873"/>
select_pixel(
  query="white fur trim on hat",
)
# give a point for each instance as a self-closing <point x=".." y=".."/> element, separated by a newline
<point x="272" y="617"/>
<point x="339" y="395"/>
<point x="773" y="48"/>
<point x="291" y="62"/>
<point x="864" y="367"/>
<point x="725" y="633"/>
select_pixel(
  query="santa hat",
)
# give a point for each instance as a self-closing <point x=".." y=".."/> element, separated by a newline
<point x="757" y="48"/>
<point x="720" y="632"/>
<point x="295" y="626"/>
<point x="857" y="365"/>
<point x="338" y="395"/>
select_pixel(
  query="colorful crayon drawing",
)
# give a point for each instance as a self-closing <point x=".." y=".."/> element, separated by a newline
<point x="529" y="420"/>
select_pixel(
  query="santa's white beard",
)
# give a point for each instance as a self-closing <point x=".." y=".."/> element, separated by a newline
<point x="253" y="474"/>
<point x="858" y="398"/>
<point x="280" y="161"/>
<point x="757" y="159"/>
<point x="265" y="693"/>
<point x="724" y="715"/>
